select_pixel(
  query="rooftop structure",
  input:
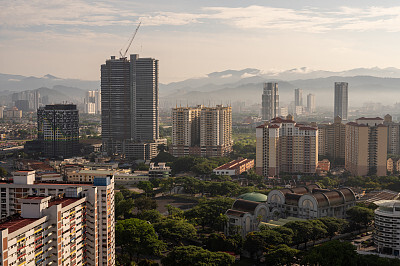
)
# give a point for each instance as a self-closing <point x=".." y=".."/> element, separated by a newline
<point x="235" y="167"/>
<point x="387" y="227"/>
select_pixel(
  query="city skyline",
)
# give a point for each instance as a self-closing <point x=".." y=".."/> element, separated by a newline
<point x="197" y="32"/>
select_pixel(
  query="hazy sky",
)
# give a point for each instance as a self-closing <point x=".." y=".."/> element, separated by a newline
<point x="72" y="38"/>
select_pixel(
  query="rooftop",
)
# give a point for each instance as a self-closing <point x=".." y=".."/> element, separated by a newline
<point x="233" y="164"/>
<point x="63" y="201"/>
<point x="16" y="223"/>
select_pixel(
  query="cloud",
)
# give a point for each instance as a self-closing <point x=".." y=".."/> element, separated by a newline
<point x="72" y="13"/>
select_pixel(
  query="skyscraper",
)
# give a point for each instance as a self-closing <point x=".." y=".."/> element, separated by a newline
<point x="341" y="100"/>
<point x="311" y="103"/>
<point x="93" y="102"/>
<point x="270" y="101"/>
<point x="298" y="97"/>
<point x="129" y="106"/>
<point x="58" y="130"/>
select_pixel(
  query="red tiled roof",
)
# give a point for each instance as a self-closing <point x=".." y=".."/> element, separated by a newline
<point x="17" y="223"/>
<point x="35" y="197"/>
<point x="64" y="202"/>
<point x="369" y="118"/>
<point x="274" y="126"/>
<point x="233" y="164"/>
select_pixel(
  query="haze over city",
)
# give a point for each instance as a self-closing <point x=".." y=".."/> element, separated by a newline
<point x="199" y="132"/>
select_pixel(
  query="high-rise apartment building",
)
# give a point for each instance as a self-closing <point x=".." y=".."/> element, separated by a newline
<point x="341" y="100"/>
<point x="129" y="106"/>
<point x="58" y="130"/>
<point x="283" y="146"/>
<point x="93" y="102"/>
<point x="60" y="223"/>
<point x="393" y="137"/>
<point x="366" y="147"/>
<point x="311" y="103"/>
<point x="298" y="97"/>
<point x="270" y="101"/>
<point x="32" y="98"/>
<point x="332" y="141"/>
<point x="202" y="131"/>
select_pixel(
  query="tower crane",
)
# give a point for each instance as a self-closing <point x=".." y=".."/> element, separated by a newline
<point x="130" y="42"/>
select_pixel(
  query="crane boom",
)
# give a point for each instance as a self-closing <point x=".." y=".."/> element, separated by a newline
<point x="130" y="42"/>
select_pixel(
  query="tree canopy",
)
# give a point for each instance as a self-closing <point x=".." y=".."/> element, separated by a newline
<point x="137" y="237"/>
<point x="196" y="256"/>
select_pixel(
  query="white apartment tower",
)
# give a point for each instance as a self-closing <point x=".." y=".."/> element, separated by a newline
<point x="283" y="146"/>
<point x="75" y="220"/>
<point x="93" y="102"/>
<point x="202" y="131"/>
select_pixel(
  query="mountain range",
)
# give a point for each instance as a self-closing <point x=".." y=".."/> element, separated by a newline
<point x="365" y="84"/>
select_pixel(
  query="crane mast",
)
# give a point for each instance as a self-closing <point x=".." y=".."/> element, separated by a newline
<point x="130" y="42"/>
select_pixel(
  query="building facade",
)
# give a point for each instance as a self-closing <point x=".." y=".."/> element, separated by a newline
<point x="310" y="202"/>
<point x="58" y="130"/>
<point x="129" y="106"/>
<point x="93" y="102"/>
<point x="298" y="97"/>
<point x="332" y="141"/>
<point x="270" y="101"/>
<point x="202" y="131"/>
<point x="98" y="199"/>
<point x="283" y="146"/>
<point x="311" y="103"/>
<point x="387" y="227"/>
<point x="366" y="147"/>
<point x="341" y="100"/>
<point x="393" y="136"/>
<point x="235" y="167"/>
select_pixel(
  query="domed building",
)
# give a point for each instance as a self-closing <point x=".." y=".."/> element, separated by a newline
<point x="310" y="202"/>
<point x="254" y="196"/>
<point x="246" y="213"/>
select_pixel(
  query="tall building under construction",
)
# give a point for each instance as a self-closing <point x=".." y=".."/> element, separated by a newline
<point x="202" y="131"/>
<point x="129" y="107"/>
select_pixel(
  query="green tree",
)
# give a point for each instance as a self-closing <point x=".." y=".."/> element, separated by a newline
<point x="281" y="255"/>
<point x="146" y="186"/>
<point x="3" y="172"/>
<point x="124" y="208"/>
<point x="302" y="231"/>
<point x="118" y="197"/>
<point x="220" y="242"/>
<point x="196" y="256"/>
<point x="142" y="167"/>
<point x="174" y="212"/>
<point x="153" y="216"/>
<point x="333" y="225"/>
<point x="318" y="230"/>
<point x="145" y="203"/>
<point x="332" y="253"/>
<point x="286" y="234"/>
<point x="137" y="237"/>
<point x="360" y="216"/>
<point x="207" y="212"/>
<point x="175" y="230"/>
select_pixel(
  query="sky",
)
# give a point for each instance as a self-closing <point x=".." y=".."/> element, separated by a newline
<point x="72" y="38"/>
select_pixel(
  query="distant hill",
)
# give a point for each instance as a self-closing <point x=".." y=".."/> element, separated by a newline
<point x="365" y="84"/>
<point x="375" y="85"/>
<point x="21" y="83"/>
